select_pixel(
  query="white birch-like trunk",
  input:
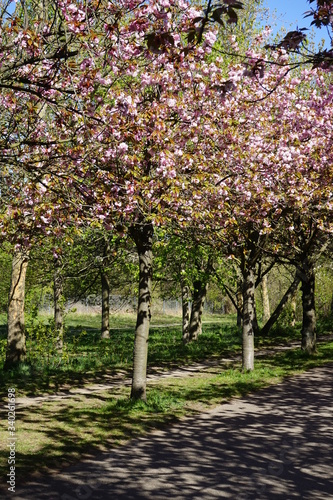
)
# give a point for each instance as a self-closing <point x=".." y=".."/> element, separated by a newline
<point x="186" y="311"/>
<point x="198" y="302"/>
<point x="265" y="300"/>
<point x="58" y="288"/>
<point x="293" y="306"/>
<point x="105" y="331"/>
<point x="248" y="320"/>
<point x="309" y="311"/>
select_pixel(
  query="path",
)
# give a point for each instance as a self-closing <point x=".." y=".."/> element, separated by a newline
<point x="121" y="378"/>
<point x="276" y="444"/>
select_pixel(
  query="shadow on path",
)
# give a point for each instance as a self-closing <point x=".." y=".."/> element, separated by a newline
<point x="275" y="444"/>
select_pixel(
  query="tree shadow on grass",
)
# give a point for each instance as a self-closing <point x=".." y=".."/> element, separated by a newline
<point x="105" y="417"/>
<point x="91" y="357"/>
<point x="113" y="420"/>
<point x="274" y="444"/>
<point x="73" y="432"/>
<point x="298" y="359"/>
<point x="34" y="382"/>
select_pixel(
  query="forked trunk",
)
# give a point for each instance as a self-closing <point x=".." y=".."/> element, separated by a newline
<point x="309" y="312"/>
<point x="248" y="320"/>
<point x="186" y="313"/>
<point x="198" y="301"/>
<point x="58" y="288"/>
<point x="265" y="300"/>
<point x="16" y="345"/>
<point x="143" y="238"/>
<point x="291" y="290"/>
<point x="105" y="331"/>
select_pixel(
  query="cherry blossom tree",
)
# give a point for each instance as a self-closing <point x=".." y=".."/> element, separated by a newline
<point x="144" y="129"/>
<point x="109" y="144"/>
<point x="276" y="165"/>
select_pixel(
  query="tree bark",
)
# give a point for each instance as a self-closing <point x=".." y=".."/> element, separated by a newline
<point x="105" y="331"/>
<point x="265" y="300"/>
<point x="143" y="238"/>
<point x="185" y="313"/>
<point x="308" y="303"/>
<point x="105" y="285"/>
<point x="58" y="289"/>
<point x="248" y="320"/>
<point x="16" y="344"/>
<point x="293" y="305"/>
<point x="255" y="318"/>
<point x="292" y="289"/>
<point x="239" y="299"/>
<point x="198" y="301"/>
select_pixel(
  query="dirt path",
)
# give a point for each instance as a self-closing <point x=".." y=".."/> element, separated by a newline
<point x="154" y="373"/>
<point x="273" y="445"/>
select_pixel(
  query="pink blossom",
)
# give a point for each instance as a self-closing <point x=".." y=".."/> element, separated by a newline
<point x="122" y="147"/>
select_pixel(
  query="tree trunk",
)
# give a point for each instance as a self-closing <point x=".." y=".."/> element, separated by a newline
<point x="105" y="332"/>
<point x="255" y="318"/>
<point x="58" y="288"/>
<point x="198" y="301"/>
<point x="248" y="320"/>
<point x="292" y="289"/>
<point x="186" y="313"/>
<point x="16" y="345"/>
<point x="308" y="303"/>
<point x="265" y="300"/>
<point x="143" y="238"/>
<point x="293" y="305"/>
<point x="239" y="299"/>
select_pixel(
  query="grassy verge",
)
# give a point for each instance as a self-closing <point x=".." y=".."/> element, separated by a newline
<point x="86" y="357"/>
<point x="60" y="432"/>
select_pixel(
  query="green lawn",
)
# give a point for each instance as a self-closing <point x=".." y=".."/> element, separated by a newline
<point x="86" y="355"/>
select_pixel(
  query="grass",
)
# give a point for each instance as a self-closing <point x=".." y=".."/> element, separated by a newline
<point x="70" y="429"/>
<point x="86" y="356"/>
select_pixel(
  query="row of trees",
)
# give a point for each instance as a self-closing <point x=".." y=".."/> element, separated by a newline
<point x="127" y="116"/>
<point x="97" y="265"/>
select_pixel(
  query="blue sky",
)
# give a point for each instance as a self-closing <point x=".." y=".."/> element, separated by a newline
<point x="290" y="14"/>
